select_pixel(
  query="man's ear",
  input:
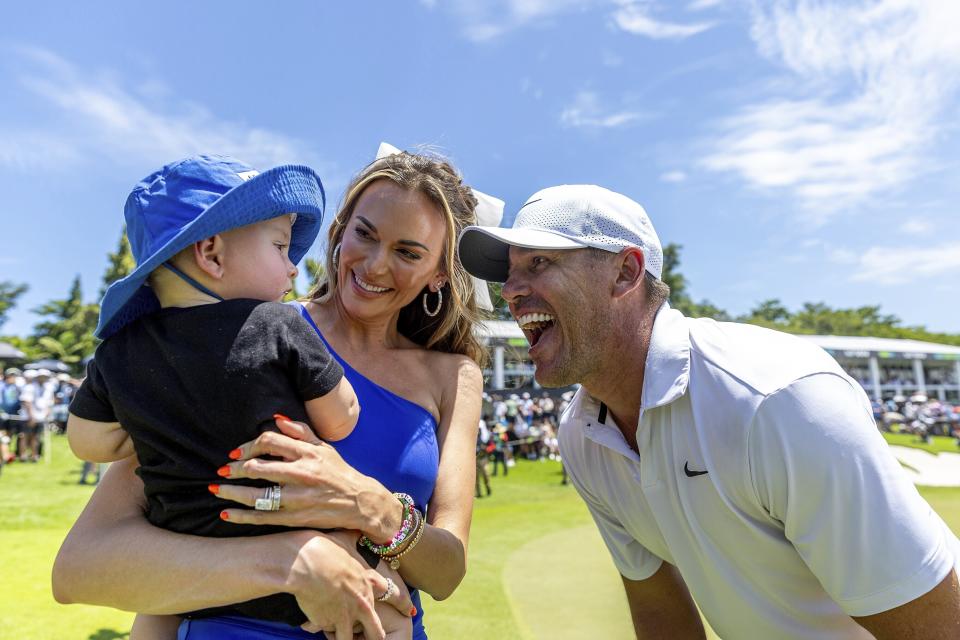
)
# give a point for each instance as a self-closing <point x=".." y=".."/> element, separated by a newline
<point x="630" y="266"/>
<point x="208" y="256"/>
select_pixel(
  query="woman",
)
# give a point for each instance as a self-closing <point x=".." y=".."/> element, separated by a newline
<point x="399" y="311"/>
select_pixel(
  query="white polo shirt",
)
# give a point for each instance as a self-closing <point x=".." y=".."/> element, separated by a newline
<point x="762" y="477"/>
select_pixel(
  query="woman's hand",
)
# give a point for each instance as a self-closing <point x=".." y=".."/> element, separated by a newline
<point x="399" y="607"/>
<point x="320" y="490"/>
<point x="336" y="590"/>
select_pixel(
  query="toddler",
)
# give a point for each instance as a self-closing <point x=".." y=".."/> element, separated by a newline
<point x="198" y="353"/>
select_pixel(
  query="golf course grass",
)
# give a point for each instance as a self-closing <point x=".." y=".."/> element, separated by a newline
<point x="937" y="444"/>
<point x="537" y="566"/>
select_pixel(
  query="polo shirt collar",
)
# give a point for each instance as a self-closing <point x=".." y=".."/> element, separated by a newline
<point x="667" y="372"/>
<point x="598" y="426"/>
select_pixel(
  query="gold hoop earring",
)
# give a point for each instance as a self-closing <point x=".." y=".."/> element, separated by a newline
<point x="426" y="309"/>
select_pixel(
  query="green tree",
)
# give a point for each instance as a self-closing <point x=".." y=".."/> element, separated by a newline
<point x="314" y="271"/>
<point x="705" y="309"/>
<point x="119" y="263"/>
<point x="9" y="292"/>
<point x="58" y="312"/>
<point x="66" y="332"/>
<point x="679" y="298"/>
<point x="816" y="318"/>
<point x="671" y="273"/>
<point x="501" y="311"/>
<point x="769" y="313"/>
<point x="28" y="345"/>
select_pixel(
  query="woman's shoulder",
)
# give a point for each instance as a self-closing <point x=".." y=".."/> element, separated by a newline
<point x="447" y="373"/>
<point x="448" y="362"/>
<point x="455" y="370"/>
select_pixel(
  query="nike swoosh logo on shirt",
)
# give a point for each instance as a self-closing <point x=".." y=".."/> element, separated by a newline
<point x="692" y="474"/>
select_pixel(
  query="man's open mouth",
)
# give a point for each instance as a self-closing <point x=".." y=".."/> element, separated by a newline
<point x="535" y="325"/>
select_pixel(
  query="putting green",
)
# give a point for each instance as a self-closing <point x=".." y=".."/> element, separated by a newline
<point x="564" y="586"/>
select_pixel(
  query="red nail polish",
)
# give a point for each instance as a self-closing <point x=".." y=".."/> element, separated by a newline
<point x="224" y="515"/>
<point x="280" y="416"/>
<point x="224" y="471"/>
<point x="235" y="454"/>
<point x="213" y="488"/>
<point x="413" y="611"/>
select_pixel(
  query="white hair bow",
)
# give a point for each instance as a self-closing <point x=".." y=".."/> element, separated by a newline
<point x="489" y="213"/>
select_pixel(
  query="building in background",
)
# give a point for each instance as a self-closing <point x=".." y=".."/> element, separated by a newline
<point x="888" y="367"/>
<point x="885" y="367"/>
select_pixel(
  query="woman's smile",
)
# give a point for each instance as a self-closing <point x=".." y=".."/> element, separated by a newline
<point x="366" y="286"/>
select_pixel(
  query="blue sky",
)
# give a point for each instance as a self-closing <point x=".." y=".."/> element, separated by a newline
<point x="802" y="150"/>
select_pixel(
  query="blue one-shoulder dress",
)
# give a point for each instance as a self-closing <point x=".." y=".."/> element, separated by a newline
<point x="395" y="441"/>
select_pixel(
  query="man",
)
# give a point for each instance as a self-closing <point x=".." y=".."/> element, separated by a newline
<point x="548" y="407"/>
<point x="37" y="398"/>
<point x="726" y="462"/>
<point x="10" y="406"/>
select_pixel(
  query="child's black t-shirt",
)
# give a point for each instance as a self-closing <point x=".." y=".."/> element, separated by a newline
<point x="191" y="384"/>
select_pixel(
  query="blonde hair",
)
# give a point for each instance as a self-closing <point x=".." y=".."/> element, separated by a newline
<point x="452" y="329"/>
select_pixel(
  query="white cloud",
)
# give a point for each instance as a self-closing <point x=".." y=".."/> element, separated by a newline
<point x="587" y="112"/>
<point x="635" y="17"/>
<point x="842" y="256"/>
<point x="673" y="176"/>
<point x="528" y="88"/>
<point x="483" y="21"/>
<point x="484" y="31"/>
<point x="700" y="5"/>
<point x="92" y="117"/>
<point x="865" y="86"/>
<point x="916" y="227"/>
<point x="488" y="20"/>
<point x="28" y="150"/>
<point x="899" y="265"/>
<point x="611" y="59"/>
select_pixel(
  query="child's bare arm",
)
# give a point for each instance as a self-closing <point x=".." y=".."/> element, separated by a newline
<point x="334" y="415"/>
<point x="98" y="441"/>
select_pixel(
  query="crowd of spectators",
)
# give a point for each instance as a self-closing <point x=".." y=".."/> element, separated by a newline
<point x="517" y="426"/>
<point x="917" y="414"/>
<point x="32" y="403"/>
<point x="513" y="425"/>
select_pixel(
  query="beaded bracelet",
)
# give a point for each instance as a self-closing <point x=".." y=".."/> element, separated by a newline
<point x="406" y="527"/>
<point x="394" y="559"/>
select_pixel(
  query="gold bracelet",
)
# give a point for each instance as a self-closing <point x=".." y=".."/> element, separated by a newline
<point x="394" y="560"/>
<point x="415" y="520"/>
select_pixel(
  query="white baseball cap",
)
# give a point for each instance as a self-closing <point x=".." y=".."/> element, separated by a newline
<point x="565" y="217"/>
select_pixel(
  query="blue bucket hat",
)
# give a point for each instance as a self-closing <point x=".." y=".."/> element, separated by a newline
<point x="193" y="199"/>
